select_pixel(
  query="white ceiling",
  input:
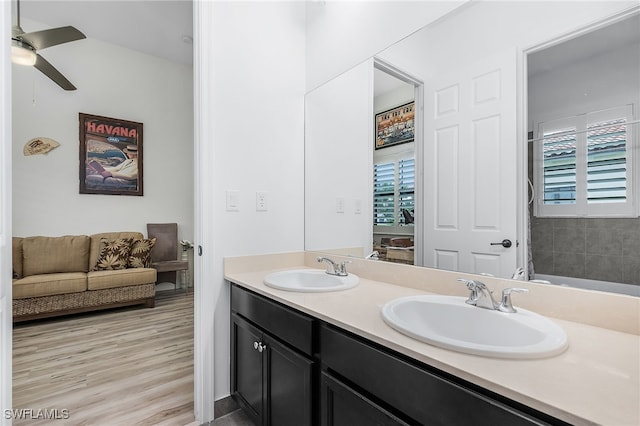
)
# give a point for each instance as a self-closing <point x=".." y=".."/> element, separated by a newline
<point x="159" y="28"/>
<point x="155" y="27"/>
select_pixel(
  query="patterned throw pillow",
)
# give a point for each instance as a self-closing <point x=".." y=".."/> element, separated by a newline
<point x="114" y="254"/>
<point x="140" y="256"/>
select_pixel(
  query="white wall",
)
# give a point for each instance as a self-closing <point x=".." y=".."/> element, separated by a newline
<point x="605" y="81"/>
<point x="339" y="162"/>
<point x="485" y="27"/>
<point x="115" y="82"/>
<point x="341" y="34"/>
<point x="257" y="96"/>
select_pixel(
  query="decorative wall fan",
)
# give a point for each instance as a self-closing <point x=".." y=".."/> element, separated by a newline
<point x="25" y="47"/>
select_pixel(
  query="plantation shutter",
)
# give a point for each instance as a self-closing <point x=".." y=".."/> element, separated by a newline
<point x="406" y="187"/>
<point x="559" y="168"/>
<point x="383" y="193"/>
<point x="584" y="165"/>
<point x="607" y="162"/>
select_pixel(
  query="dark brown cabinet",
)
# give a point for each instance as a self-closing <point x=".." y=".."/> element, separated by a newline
<point x="288" y="368"/>
<point x="412" y="392"/>
<point x="341" y="405"/>
<point x="247" y="371"/>
<point x="270" y="379"/>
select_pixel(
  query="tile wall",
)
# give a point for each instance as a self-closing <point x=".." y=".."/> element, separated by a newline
<point x="599" y="249"/>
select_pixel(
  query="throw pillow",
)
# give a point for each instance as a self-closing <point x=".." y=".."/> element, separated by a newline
<point x="140" y="256"/>
<point x="114" y="254"/>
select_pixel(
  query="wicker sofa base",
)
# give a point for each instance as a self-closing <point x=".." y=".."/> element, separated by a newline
<point x="90" y="300"/>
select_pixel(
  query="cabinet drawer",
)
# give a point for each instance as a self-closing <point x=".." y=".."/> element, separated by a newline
<point x="290" y="326"/>
<point x="342" y="406"/>
<point x="422" y="395"/>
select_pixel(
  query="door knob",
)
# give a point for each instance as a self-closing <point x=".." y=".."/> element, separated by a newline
<point x="504" y="243"/>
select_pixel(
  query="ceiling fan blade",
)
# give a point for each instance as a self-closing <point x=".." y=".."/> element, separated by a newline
<point x="52" y="37"/>
<point x="47" y="69"/>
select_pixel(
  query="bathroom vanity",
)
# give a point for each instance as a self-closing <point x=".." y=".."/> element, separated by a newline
<point x="329" y="359"/>
<point x="280" y="357"/>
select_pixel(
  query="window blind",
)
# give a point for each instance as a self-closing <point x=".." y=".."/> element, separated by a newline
<point x="559" y="170"/>
<point x="584" y="165"/>
<point x="384" y="193"/>
<point x="607" y="162"/>
<point x="406" y="187"/>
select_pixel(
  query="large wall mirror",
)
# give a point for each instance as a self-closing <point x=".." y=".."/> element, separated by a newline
<point x="474" y="160"/>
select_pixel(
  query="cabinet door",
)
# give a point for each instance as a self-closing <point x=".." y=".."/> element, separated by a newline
<point x="426" y="396"/>
<point x="246" y="367"/>
<point x="289" y="386"/>
<point x="343" y="406"/>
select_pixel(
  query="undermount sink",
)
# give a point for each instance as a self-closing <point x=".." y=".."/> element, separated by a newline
<point x="450" y="323"/>
<point x="310" y="280"/>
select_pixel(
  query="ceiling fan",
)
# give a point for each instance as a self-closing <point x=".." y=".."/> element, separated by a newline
<point x="25" y="47"/>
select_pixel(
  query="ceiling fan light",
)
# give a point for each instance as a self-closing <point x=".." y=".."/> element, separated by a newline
<point x="22" y="55"/>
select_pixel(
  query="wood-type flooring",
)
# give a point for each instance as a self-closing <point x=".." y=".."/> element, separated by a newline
<point x="130" y="366"/>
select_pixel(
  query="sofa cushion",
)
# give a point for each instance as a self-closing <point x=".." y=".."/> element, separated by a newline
<point x="94" y="251"/>
<point x="48" y="255"/>
<point x="16" y="251"/>
<point x="114" y="254"/>
<point x="49" y="284"/>
<point x="140" y="256"/>
<point x="97" y="280"/>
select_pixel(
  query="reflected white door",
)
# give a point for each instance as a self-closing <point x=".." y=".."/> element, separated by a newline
<point x="470" y="168"/>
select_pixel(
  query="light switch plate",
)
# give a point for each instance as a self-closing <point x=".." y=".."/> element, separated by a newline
<point x="358" y="206"/>
<point x="233" y="200"/>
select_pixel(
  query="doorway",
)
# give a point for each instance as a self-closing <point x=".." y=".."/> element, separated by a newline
<point x="397" y="165"/>
<point x="582" y="156"/>
<point x="69" y="174"/>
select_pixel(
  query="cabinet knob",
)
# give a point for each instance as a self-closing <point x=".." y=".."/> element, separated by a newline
<point x="261" y="347"/>
<point x="255" y="345"/>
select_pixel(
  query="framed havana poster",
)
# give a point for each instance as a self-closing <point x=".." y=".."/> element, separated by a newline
<point x="110" y="156"/>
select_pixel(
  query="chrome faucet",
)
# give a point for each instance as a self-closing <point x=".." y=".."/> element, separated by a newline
<point x="373" y="255"/>
<point x="333" y="268"/>
<point x="518" y="274"/>
<point x="482" y="297"/>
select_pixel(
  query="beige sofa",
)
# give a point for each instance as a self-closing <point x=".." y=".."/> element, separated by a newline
<point x="57" y="276"/>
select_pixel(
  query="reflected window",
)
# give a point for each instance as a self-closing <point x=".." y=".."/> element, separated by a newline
<point x="394" y="192"/>
<point x="584" y="165"/>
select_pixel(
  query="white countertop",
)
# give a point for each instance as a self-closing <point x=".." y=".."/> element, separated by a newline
<point x="595" y="381"/>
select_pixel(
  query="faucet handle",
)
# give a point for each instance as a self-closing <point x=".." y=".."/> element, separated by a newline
<point x="505" y="304"/>
<point x="342" y="268"/>
<point x="473" y="287"/>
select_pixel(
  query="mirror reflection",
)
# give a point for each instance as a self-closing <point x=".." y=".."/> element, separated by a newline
<point x="593" y="75"/>
<point x="583" y="99"/>
<point x="394" y="169"/>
